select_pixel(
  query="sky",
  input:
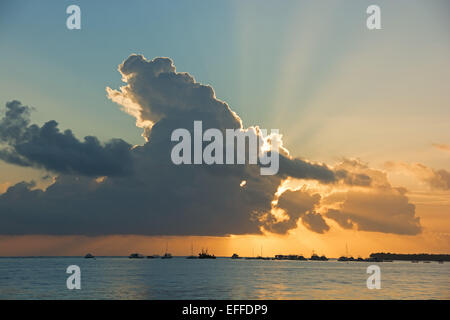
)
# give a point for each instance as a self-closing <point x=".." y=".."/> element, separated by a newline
<point x="371" y="103"/>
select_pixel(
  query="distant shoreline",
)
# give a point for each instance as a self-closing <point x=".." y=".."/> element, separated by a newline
<point x="379" y="255"/>
<point x="411" y="257"/>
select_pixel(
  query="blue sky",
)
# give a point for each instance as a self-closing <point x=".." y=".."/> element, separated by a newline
<point x="302" y="67"/>
<point x="241" y="49"/>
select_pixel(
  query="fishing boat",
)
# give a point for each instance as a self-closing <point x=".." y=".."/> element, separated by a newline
<point x="89" y="256"/>
<point x="136" y="256"/>
<point x="235" y="256"/>
<point x="205" y="255"/>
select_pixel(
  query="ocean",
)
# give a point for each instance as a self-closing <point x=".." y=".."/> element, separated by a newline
<point x="223" y="278"/>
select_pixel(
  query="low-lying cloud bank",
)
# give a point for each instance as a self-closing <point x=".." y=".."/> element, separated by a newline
<point x="114" y="188"/>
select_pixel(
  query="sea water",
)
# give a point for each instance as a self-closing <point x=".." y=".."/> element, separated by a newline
<point x="222" y="278"/>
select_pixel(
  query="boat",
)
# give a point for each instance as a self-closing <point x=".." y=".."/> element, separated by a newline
<point x="315" y="257"/>
<point x="261" y="257"/>
<point x="347" y="257"/>
<point x="205" y="255"/>
<point x="192" y="253"/>
<point x="290" y="257"/>
<point x="167" y="255"/>
<point x="373" y="259"/>
<point x="89" y="256"/>
<point x="153" y="256"/>
<point x="136" y="256"/>
<point x="235" y="256"/>
<point x="343" y="258"/>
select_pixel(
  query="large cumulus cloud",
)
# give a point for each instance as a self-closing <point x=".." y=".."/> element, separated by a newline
<point x="114" y="188"/>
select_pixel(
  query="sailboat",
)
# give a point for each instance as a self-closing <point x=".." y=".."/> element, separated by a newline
<point x="261" y="257"/>
<point x="192" y="253"/>
<point x="346" y="257"/>
<point x="167" y="255"/>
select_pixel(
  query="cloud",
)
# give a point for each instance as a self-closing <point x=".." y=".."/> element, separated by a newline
<point x="315" y="222"/>
<point x="301" y="169"/>
<point x="379" y="208"/>
<point x="382" y="210"/>
<point x="443" y="147"/>
<point x="155" y="91"/>
<point x="113" y="188"/>
<point x="46" y="147"/>
<point x="436" y="179"/>
<point x="300" y="204"/>
<point x="295" y="205"/>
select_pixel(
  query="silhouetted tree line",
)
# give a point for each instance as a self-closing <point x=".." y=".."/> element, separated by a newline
<point x="411" y="257"/>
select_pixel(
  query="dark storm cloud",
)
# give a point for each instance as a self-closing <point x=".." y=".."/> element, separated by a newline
<point x="300" y="169"/>
<point x="143" y="191"/>
<point x="46" y="147"/>
<point x="315" y="222"/>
